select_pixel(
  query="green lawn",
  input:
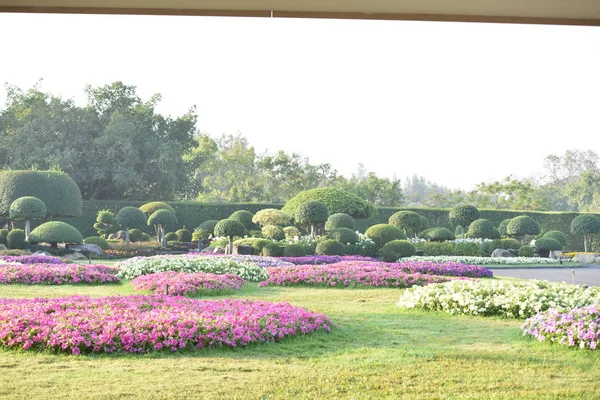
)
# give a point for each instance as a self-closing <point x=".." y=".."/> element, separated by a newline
<point x="377" y="351"/>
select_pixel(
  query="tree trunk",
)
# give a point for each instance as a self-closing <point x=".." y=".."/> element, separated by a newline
<point x="127" y="236"/>
<point x="482" y="247"/>
<point x="462" y="232"/>
<point x="230" y="245"/>
<point x="27" y="229"/>
<point x="163" y="239"/>
<point x="585" y="248"/>
<point x="312" y="231"/>
<point x="157" y="230"/>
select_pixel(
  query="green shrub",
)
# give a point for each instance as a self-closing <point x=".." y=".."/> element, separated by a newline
<point x="396" y="249"/>
<point x="272" y="216"/>
<point x="27" y="207"/>
<point x="56" y="190"/>
<point x="521" y="226"/>
<point x="55" y="232"/>
<point x="330" y="247"/>
<point x="152" y="207"/>
<point x="482" y="229"/>
<point x="171" y="237"/>
<point x="312" y="214"/>
<point x="244" y="217"/>
<point x="257" y="243"/>
<point x="163" y="218"/>
<point x="383" y="233"/>
<point x="273" y="232"/>
<point x="508" y="244"/>
<point x="131" y="217"/>
<point x="365" y="249"/>
<point x="437" y="248"/>
<point x="136" y="235"/>
<point x="183" y="235"/>
<point x="3" y="236"/>
<point x="548" y="244"/>
<point x="343" y="235"/>
<point x="294" y="250"/>
<point x="340" y="220"/>
<point x="409" y="221"/>
<point x="106" y="223"/>
<point x="438" y="234"/>
<point x="490" y="246"/>
<point x="459" y="231"/>
<point x="557" y="235"/>
<point x="463" y="215"/>
<point x="291" y="232"/>
<point x="585" y="225"/>
<point x="525" y="251"/>
<point x="336" y="200"/>
<point x="272" y="250"/>
<point x="230" y="229"/>
<point x="467" y="249"/>
<point x="207" y="228"/>
<point x="97" y="240"/>
<point x="16" y="239"/>
<point x="146" y="237"/>
<point x="502" y="227"/>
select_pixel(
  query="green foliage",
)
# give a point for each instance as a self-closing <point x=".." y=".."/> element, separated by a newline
<point x="557" y="235"/>
<point x="131" y="217"/>
<point x="27" y="207"/>
<point x="154" y="206"/>
<point x="548" y="244"/>
<point x="424" y="222"/>
<point x="502" y="227"/>
<point x="525" y="251"/>
<point x="171" y="237"/>
<point x="330" y="247"/>
<point x="467" y="249"/>
<point x="229" y="228"/>
<point x="3" y="236"/>
<point x="291" y="232"/>
<point x="183" y="235"/>
<point x="55" y="232"/>
<point x="207" y="228"/>
<point x="340" y="220"/>
<point x="311" y="213"/>
<point x="585" y="224"/>
<point x="438" y="234"/>
<point x="336" y="200"/>
<point x="482" y="229"/>
<point x="136" y="235"/>
<point x="97" y="240"/>
<point x="272" y="250"/>
<point x="244" y="217"/>
<point x="56" y="190"/>
<point x="409" y="221"/>
<point x="396" y="249"/>
<point x="510" y="244"/>
<point x="163" y="217"/>
<point x="16" y="239"/>
<point x="257" y="243"/>
<point x="273" y="232"/>
<point x="106" y="223"/>
<point x="521" y="226"/>
<point x="437" y="248"/>
<point x="463" y="214"/>
<point x="272" y="216"/>
<point x="383" y="233"/>
<point x="343" y="235"/>
<point x="294" y="250"/>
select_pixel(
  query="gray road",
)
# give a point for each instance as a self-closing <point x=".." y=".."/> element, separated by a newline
<point x="583" y="275"/>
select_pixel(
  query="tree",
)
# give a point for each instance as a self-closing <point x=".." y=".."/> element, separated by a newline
<point x="271" y="216"/>
<point x="229" y="228"/>
<point x="510" y="194"/>
<point x="408" y="221"/>
<point x="340" y="220"/>
<point x="521" y="227"/>
<point x="130" y="217"/>
<point x="311" y="213"/>
<point x="585" y="225"/>
<point x="382" y="192"/>
<point x="27" y="208"/>
<point x="55" y="232"/>
<point x="161" y="219"/>
<point x="106" y="223"/>
<point x="244" y="217"/>
<point x="583" y="192"/>
<point x="150" y="208"/>
<point x="482" y="229"/>
<point x="462" y="215"/>
<point x="337" y="201"/>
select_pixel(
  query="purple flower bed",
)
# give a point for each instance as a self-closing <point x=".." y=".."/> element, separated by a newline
<point x="182" y="283"/>
<point x="323" y="260"/>
<point x="432" y="268"/>
<point x="141" y="324"/>
<point x="33" y="259"/>
<point x="348" y="275"/>
<point x="56" y="274"/>
<point x="579" y="327"/>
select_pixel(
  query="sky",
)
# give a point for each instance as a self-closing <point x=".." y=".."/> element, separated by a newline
<point x="457" y="103"/>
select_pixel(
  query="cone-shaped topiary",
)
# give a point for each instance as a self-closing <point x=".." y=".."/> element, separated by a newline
<point x="585" y="225"/>
<point x="311" y="213"/>
<point x="340" y="220"/>
<point x="55" y="232"/>
<point x="162" y="219"/>
<point x="130" y="217"/>
<point x="27" y="208"/>
<point x="383" y="233"/>
<point x="336" y="200"/>
<point x="229" y="228"/>
<point x="396" y="249"/>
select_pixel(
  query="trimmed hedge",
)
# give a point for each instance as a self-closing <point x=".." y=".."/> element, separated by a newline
<point x="97" y="240"/>
<point x="16" y="239"/>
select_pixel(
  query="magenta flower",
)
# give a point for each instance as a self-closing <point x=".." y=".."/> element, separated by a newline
<point x="182" y="283"/>
<point x="56" y="274"/>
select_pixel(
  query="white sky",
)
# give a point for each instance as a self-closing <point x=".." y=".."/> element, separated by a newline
<point x="457" y="103"/>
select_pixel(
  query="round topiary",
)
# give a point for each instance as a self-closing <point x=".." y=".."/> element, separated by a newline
<point x="525" y="251"/>
<point x="463" y="215"/>
<point x="409" y="221"/>
<point x="229" y="228"/>
<point x="244" y="217"/>
<point x="458" y="231"/>
<point x="164" y="218"/>
<point x="294" y="250"/>
<point x="27" y="207"/>
<point x="330" y="247"/>
<point x="336" y="200"/>
<point x="291" y="232"/>
<point x="257" y="243"/>
<point x="396" y="249"/>
<point x="273" y="232"/>
<point x="272" y="250"/>
<point x="340" y="220"/>
<point x="136" y="235"/>
<point x="131" y="217"/>
<point x="383" y="233"/>
<point x="151" y="208"/>
<point x="508" y="244"/>
<point x="183" y="235"/>
<point x="482" y="229"/>
<point x="557" y="235"/>
<point x="424" y="222"/>
<point x="344" y="235"/>
<point x="60" y="194"/>
<point x="171" y="237"/>
<point x="521" y="226"/>
<point x="272" y="216"/>
<point x="3" y="236"/>
<point x="548" y="244"/>
<point x="502" y="227"/>
<point x="97" y="240"/>
<point x="55" y="232"/>
<point x="438" y="234"/>
<point x="16" y="239"/>
<point x="311" y="213"/>
<point x="207" y="228"/>
<point x="585" y="225"/>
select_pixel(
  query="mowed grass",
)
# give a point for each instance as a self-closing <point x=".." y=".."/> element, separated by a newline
<point x="376" y="351"/>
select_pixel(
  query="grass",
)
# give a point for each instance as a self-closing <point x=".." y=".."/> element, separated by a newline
<point x="376" y="351"/>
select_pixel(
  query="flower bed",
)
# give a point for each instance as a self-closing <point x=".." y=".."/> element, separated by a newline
<point x="56" y="274"/>
<point x="182" y="283"/>
<point x="430" y="268"/>
<point x="323" y="260"/>
<point x="137" y="266"/>
<point x="518" y="299"/>
<point x="344" y="275"/>
<point x="250" y="259"/>
<point x="576" y="328"/>
<point x="115" y="254"/>
<point x="486" y="260"/>
<point x="141" y="324"/>
<point x="33" y="259"/>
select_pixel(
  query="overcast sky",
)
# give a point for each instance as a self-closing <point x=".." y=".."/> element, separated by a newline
<point x="456" y="103"/>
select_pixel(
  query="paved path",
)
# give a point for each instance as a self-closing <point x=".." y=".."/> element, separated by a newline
<point x="589" y="275"/>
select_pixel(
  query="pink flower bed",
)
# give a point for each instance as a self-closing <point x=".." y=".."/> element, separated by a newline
<point x="433" y="268"/>
<point x="141" y="324"/>
<point x="181" y="283"/>
<point x="348" y="275"/>
<point x="57" y="274"/>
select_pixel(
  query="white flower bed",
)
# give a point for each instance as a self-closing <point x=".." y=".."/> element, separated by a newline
<point x="486" y="260"/>
<point x="519" y="299"/>
<point x="137" y="266"/>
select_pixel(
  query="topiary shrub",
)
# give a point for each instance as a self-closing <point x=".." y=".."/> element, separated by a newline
<point x="525" y="251"/>
<point x="409" y="221"/>
<point x="55" y="232"/>
<point x="291" y="232"/>
<point x="396" y="249"/>
<point x="257" y="244"/>
<point x="336" y="200"/>
<point x="271" y="216"/>
<point x="545" y="245"/>
<point x="344" y="235"/>
<point x="273" y="232"/>
<point x="438" y="234"/>
<point x="27" y="208"/>
<point x="557" y="235"/>
<point x="502" y="227"/>
<point x="294" y="250"/>
<point x="171" y="237"/>
<point x="98" y="241"/>
<point x="508" y="244"/>
<point x="106" y="223"/>
<point x="244" y="217"/>
<point x="585" y="225"/>
<point x="146" y="237"/>
<point x="207" y="228"/>
<point x="463" y="215"/>
<point x="458" y="231"/>
<point x="437" y="248"/>
<point x="183" y="235"/>
<point x="482" y="229"/>
<point x="467" y="249"/>
<point x="3" y="236"/>
<point x="130" y="217"/>
<point x="229" y="228"/>
<point x="340" y="220"/>
<point x="329" y="247"/>
<point x="383" y="233"/>
<point x="16" y="239"/>
<point x="151" y="208"/>
<point x="136" y="235"/>
<point x="312" y="214"/>
<point x="162" y="219"/>
<point x="522" y="226"/>
<point x="272" y="250"/>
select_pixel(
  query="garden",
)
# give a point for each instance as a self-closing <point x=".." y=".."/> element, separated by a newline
<point x="288" y="302"/>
